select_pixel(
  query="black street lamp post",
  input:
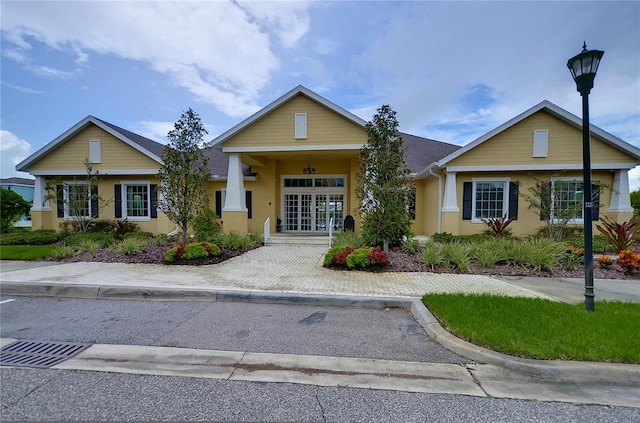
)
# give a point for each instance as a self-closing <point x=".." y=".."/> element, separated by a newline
<point x="583" y="68"/>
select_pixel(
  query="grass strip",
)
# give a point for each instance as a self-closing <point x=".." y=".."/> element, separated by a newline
<point x="25" y="252"/>
<point x="542" y="329"/>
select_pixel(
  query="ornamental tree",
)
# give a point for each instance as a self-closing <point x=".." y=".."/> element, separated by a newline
<point x="184" y="172"/>
<point x="384" y="188"/>
<point x="12" y="207"/>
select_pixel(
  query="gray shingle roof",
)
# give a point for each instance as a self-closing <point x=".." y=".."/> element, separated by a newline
<point x="219" y="163"/>
<point x="17" y="181"/>
<point x="421" y="152"/>
<point x="150" y="145"/>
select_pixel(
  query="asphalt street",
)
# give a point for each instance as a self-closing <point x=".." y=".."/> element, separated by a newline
<point x="72" y="393"/>
<point x="391" y="334"/>
<point x="79" y="395"/>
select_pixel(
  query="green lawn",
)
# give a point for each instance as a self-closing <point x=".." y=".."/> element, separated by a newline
<point x="25" y="252"/>
<point x="542" y="329"/>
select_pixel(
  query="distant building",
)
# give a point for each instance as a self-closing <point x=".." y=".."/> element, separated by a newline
<point x="24" y="187"/>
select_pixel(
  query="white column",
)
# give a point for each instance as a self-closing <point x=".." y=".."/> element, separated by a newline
<point x="450" y="194"/>
<point x="40" y="201"/>
<point x="235" y="197"/>
<point x="620" y="199"/>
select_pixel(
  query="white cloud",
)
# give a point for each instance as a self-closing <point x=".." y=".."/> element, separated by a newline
<point x="22" y="89"/>
<point x="154" y="130"/>
<point x="218" y="51"/>
<point x="158" y="130"/>
<point x="13" y="150"/>
<point x="427" y="57"/>
<point x="288" y="20"/>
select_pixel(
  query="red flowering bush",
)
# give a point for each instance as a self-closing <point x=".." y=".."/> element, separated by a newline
<point x="377" y="256"/>
<point x="352" y="258"/>
<point x="190" y="251"/>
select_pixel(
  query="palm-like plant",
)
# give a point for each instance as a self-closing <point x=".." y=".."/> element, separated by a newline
<point x="620" y="235"/>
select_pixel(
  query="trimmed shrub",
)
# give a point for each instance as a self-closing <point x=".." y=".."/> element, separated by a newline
<point x="27" y="237"/>
<point x="358" y="258"/>
<point x="193" y="250"/>
<point x="205" y="226"/>
<point x="354" y="258"/>
<point x="104" y="226"/>
<point x="377" y="257"/>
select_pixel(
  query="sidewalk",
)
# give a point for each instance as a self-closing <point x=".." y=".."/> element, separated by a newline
<point x="294" y="274"/>
<point x="297" y="270"/>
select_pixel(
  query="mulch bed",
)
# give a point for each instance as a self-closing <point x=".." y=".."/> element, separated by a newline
<point x="400" y="261"/>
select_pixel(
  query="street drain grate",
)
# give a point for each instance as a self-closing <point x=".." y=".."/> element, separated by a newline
<point x="38" y="354"/>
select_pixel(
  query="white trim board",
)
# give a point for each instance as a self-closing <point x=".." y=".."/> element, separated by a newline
<point x="286" y="148"/>
<point x="550" y="167"/>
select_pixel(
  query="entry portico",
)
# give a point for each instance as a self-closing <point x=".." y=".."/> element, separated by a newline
<point x="303" y="151"/>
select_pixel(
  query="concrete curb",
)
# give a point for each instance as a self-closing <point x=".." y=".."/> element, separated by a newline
<point x="194" y="294"/>
<point x="558" y="370"/>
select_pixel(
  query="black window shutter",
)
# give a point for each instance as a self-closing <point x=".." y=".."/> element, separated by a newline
<point x="94" y="201"/>
<point x="117" y="196"/>
<point x="219" y="203"/>
<point x="60" y="200"/>
<point x="595" y="195"/>
<point x="153" y="196"/>
<point x="247" y="197"/>
<point x="467" y="200"/>
<point x="513" y="200"/>
<point x="545" y="201"/>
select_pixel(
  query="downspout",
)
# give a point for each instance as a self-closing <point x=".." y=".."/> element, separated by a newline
<point x="439" y="176"/>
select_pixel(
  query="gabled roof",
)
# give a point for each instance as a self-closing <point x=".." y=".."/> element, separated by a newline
<point x="554" y="110"/>
<point x="219" y="164"/>
<point x="277" y="103"/>
<point x="17" y="181"/>
<point x="148" y="147"/>
<point x="420" y="152"/>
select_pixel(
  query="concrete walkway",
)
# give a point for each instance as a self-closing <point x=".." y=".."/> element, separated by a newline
<point x="294" y="274"/>
<point x="298" y="269"/>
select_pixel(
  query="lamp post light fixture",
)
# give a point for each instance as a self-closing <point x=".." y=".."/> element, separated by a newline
<point x="583" y="69"/>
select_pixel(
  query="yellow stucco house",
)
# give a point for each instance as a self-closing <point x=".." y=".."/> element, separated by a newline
<point x="291" y="165"/>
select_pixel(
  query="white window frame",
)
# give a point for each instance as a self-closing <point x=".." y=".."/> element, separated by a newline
<point x="94" y="151"/>
<point x="223" y="200"/>
<point x="65" y="196"/>
<point x="553" y="202"/>
<point x="505" y="196"/>
<point x="123" y="187"/>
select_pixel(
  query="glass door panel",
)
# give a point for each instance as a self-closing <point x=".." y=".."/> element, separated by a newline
<point x="321" y="212"/>
<point x="336" y="211"/>
<point x="291" y="212"/>
<point x="305" y="212"/>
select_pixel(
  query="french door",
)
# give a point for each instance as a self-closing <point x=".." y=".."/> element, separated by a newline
<point x="312" y="212"/>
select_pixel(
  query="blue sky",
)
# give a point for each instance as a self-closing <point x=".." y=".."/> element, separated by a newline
<point x="452" y="70"/>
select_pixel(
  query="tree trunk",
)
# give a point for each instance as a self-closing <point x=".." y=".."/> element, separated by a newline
<point x="385" y="246"/>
